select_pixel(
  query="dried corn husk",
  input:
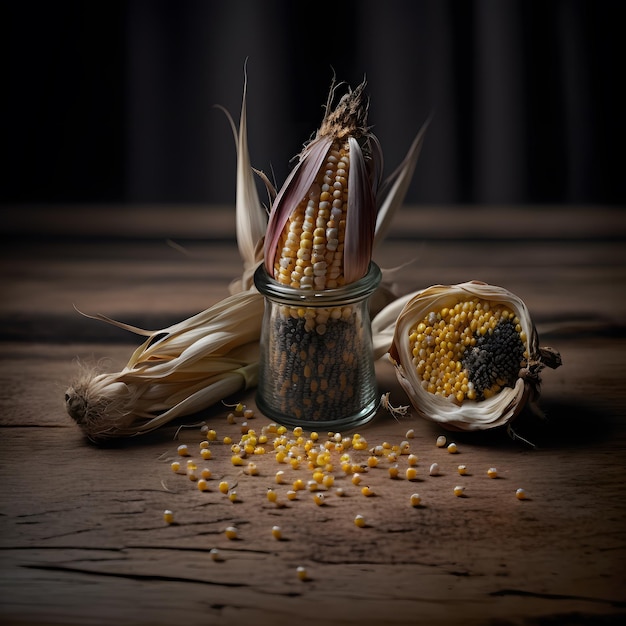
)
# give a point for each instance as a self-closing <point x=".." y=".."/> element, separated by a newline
<point x="176" y="372"/>
<point x="194" y="364"/>
<point x="496" y="411"/>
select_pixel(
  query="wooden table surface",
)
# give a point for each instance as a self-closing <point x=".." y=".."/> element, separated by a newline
<point x="82" y="535"/>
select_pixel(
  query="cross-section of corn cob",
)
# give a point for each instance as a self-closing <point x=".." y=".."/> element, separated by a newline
<point x="467" y="355"/>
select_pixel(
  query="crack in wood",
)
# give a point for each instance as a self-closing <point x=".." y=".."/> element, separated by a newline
<point x="144" y="577"/>
<point x="556" y="596"/>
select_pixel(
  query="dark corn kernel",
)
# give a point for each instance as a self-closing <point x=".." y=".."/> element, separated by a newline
<point x="315" y="367"/>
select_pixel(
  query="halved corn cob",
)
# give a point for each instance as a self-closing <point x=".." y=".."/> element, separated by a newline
<point x="467" y="355"/>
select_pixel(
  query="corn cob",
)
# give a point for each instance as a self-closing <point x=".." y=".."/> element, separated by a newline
<point x="322" y="225"/>
<point x="320" y="237"/>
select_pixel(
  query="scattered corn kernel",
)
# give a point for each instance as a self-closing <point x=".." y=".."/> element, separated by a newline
<point x="272" y="496"/>
<point x="211" y="435"/>
<point x="301" y="573"/>
<point x="441" y="441"/>
<point x="340" y="492"/>
<point x="356" y="478"/>
<point x="492" y="472"/>
<point x="462" y="469"/>
<point x="318" y="498"/>
<point x="328" y="480"/>
<point x="248" y="414"/>
<point x="520" y="494"/>
<point x="253" y="469"/>
<point x="277" y="533"/>
<point x="367" y="491"/>
<point x="183" y="450"/>
<point x="292" y="495"/>
<point x="232" y="496"/>
<point x="411" y="473"/>
<point x="393" y="471"/>
<point x="204" y="445"/>
<point x="298" y="484"/>
<point x="459" y="491"/>
<point x="415" y="499"/>
<point x="215" y="554"/>
<point x="231" y="532"/>
<point x="205" y="453"/>
<point x="168" y="516"/>
<point x="230" y="418"/>
<point x="434" y="469"/>
<point x="223" y="486"/>
<point x="175" y="466"/>
<point x="227" y="440"/>
<point x="203" y="485"/>
<point x="236" y="459"/>
<point x="452" y="448"/>
<point x="359" y="521"/>
<point x="410" y="433"/>
<point x="312" y="485"/>
<point x="205" y="473"/>
<point x="412" y="459"/>
<point x="280" y="477"/>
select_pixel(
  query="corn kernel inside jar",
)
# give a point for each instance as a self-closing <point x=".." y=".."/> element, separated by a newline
<point x="469" y="350"/>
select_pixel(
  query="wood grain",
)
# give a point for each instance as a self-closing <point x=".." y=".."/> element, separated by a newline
<point x="82" y="539"/>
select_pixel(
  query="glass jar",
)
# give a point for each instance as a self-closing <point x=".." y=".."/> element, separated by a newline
<point x="316" y="366"/>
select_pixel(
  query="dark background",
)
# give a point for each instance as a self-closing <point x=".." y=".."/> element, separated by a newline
<point x="113" y="101"/>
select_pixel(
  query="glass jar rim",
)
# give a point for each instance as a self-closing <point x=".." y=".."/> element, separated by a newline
<point x="339" y="296"/>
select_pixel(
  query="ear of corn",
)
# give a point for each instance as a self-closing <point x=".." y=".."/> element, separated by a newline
<point x="322" y="225"/>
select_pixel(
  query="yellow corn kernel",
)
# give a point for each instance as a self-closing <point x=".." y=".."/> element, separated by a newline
<point x="309" y="253"/>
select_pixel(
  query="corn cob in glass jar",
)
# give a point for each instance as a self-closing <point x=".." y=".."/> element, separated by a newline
<point x="316" y="347"/>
